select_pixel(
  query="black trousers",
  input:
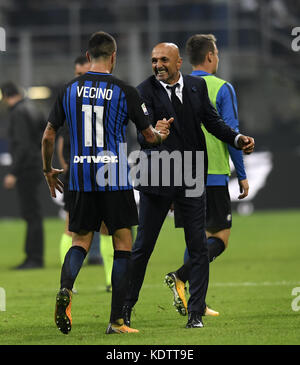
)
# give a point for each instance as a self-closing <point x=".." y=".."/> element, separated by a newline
<point x="152" y="213"/>
<point x="31" y="211"/>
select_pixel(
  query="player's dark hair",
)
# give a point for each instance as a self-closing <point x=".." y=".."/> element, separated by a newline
<point x="81" y="60"/>
<point x="198" y="46"/>
<point x="101" y="44"/>
<point x="9" y="89"/>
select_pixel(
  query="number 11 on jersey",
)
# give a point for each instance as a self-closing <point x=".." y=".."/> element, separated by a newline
<point x="88" y="111"/>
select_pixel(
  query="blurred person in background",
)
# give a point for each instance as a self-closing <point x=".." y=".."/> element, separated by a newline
<point x="203" y="56"/>
<point x="101" y="243"/>
<point x="25" y="129"/>
<point x="81" y="65"/>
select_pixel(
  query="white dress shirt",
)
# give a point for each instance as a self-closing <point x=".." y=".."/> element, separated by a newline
<point x="178" y="90"/>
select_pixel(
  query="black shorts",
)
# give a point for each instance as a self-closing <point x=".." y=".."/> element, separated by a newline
<point x="218" y="210"/>
<point x="66" y="199"/>
<point x="117" y="209"/>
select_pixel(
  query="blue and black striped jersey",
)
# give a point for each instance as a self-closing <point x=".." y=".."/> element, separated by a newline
<point x="97" y="108"/>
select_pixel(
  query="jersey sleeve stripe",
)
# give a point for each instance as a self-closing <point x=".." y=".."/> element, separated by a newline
<point x="73" y="122"/>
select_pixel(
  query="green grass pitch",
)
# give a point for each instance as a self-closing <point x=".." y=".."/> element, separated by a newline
<point x="250" y="285"/>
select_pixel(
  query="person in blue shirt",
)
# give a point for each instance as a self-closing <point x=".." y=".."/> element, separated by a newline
<point x="203" y="55"/>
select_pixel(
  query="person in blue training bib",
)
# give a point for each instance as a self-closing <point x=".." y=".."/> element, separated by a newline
<point x="203" y="56"/>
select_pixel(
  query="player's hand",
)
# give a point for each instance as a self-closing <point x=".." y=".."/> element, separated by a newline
<point x="9" y="181"/>
<point x="157" y="135"/>
<point x="65" y="167"/>
<point x="163" y="126"/>
<point x="246" y="144"/>
<point x="244" y="188"/>
<point x="53" y="181"/>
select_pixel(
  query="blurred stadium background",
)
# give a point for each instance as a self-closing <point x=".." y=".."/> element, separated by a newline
<point x="42" y="39"/>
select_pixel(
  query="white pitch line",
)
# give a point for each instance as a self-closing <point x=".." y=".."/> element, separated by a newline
<point x="241" y="284"/>
<point x="263" y="283"/>
<point x="217" y="284"/>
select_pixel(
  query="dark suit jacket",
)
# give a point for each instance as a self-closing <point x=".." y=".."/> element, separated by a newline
<point x="186" y="134"/>
<point x="25" y="131"/>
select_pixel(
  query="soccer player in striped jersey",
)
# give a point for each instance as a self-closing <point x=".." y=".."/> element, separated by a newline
<point x="81" y="66"/>
<point x="97" y="107"/>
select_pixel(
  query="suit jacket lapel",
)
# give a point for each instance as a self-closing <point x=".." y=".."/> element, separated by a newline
<point x="163" y="96"/>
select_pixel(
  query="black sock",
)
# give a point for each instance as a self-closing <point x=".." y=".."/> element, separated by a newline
<point x="119" y="282"/>
<point x="183" y="272"/>
<point x="71" y="266"/>
<point x="215" y="247"/>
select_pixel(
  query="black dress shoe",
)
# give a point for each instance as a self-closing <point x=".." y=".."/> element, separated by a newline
<point x="126" y="315"/>
<point x="195" y="320"/>
<point x="29" y="264"/>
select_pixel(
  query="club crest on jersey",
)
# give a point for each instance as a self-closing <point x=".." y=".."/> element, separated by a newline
<point x="144" y="109"/>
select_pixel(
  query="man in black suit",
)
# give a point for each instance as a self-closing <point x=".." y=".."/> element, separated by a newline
<point x="167" y="94"/>
<point x="25" y="130"/>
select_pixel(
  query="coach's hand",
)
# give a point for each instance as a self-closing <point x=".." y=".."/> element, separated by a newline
<point x="246" y="144"/>
<point x="53" y="181"/>
<point x="163" y="127"/>
<point x="155" y="136"/>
